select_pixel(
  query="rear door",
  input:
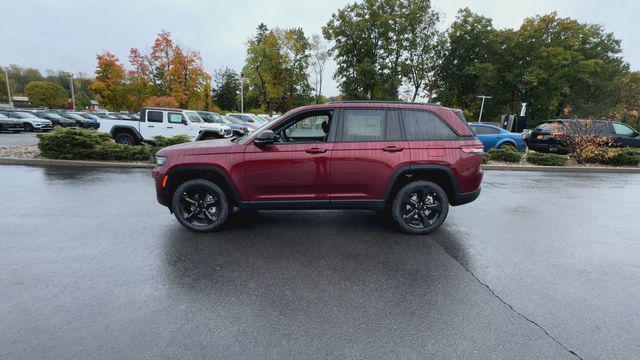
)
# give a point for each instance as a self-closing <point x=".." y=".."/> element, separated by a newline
<point x="368" y="151"/>
<point x="153" y="125"/>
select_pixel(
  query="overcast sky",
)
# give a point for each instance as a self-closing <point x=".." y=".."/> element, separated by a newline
<point x="67" y="34"/>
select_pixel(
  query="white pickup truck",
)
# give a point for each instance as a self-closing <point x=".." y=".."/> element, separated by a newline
<point x="162" y="122"/>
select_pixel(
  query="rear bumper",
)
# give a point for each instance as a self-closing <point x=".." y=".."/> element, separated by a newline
<point x="465" y="198"/>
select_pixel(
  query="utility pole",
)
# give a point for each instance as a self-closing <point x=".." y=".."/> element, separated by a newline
<point x="6" y="76"/>
<point x="483" y="97"/>
<point x="242" y="92"/>
<point x="73" y="95"/>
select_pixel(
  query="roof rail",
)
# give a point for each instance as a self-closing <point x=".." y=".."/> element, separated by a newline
<point x="381" y="102"/>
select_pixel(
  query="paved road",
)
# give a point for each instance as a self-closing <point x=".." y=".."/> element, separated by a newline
<point x="542" y="265"/>
<point x="24" y="138"/>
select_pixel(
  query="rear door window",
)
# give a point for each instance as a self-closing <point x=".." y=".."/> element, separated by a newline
<point x="363" y="125"/>
<point x="155" y="116"/>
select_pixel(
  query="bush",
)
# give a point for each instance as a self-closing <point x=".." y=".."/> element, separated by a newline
<point x="537" y="158"/>
<point x="621" y="157"/>
<point x="506" y="154"/>
<point x="83" y="144"/>
<point x="161" y="141"/>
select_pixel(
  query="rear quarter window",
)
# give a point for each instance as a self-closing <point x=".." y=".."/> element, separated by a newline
<point x="424" y="125"/>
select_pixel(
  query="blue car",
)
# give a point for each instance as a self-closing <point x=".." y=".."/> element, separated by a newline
<point x="495" y="137"/>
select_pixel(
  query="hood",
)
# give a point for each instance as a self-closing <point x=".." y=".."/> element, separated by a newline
<point x="215" y="146"/>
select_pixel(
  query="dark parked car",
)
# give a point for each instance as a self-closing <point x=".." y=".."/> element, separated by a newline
<point x="9" y="124"/>
<point x="412" y="159"/>
<point x="56" y="119"/>
<point x="237" y="127"/>
<point x="80" y="120"/>
<point x="550" y="135"/>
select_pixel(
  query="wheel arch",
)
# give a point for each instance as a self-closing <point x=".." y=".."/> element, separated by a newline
<point x="438" y="174"/>
<point x="120" y="128"/>
<point x="181" y="174"/>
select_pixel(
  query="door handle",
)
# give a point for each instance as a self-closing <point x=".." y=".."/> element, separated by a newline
<point x="151" y="126"/>
<point x="392" y="149"/>
<point x="169" y="127"/>
<point x="315" y="150"/>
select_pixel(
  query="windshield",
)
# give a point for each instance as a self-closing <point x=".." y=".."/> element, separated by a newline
<point x="26" y="114"/>
<point x="3" y="117"/>
<point x="75" y="117"/>
<point x="217" y="118"/>
<point x="55" y="116"/>
<point x="89" y="116"/>
<point x="193" y="116"/>
<point x="230" y="120"/>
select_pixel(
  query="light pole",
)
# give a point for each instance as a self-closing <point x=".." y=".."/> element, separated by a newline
<point x="483" y="97"/>
<point x="241" y="92"/>
<point x="73" y="95"/>
<point x="6" y="76"/>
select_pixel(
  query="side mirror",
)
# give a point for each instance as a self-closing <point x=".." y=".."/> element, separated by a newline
<point x="184" y="121"/>
<point x="264" y="137"/>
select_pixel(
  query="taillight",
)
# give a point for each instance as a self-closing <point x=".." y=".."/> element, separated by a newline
<point x="472" y="148"/>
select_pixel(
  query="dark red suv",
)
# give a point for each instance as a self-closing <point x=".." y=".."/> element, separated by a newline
<point x="412" y="159"/>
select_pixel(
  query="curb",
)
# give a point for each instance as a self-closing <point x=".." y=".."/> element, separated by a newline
<point x="124" y="165"/>
<point x="563" y="169"/>
<point x="75" y="163"/>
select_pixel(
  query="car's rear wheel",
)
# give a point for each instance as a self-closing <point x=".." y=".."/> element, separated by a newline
<point x="507" y="146"/>
<point x="124" y="138"/>
<point x="200" y="205"/>
<point x="420" y="207"/>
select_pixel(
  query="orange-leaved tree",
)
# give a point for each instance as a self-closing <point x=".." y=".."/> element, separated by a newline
<point x="110" y="86"/>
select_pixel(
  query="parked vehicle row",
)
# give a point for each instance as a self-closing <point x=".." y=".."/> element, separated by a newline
<point x="29" y="121"/>
<point x="550" y="135"/>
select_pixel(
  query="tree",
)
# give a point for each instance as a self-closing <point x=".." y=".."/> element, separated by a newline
<point x="109" y="85"/>
<point x="320" y="53"/>
<point x="226" y="88"/>
<point x="423" y="47"/>
<point x="47" y="94"/>
<point x="161" y="101"/>
<point x="276" y="68"/>
<point x="187" y="78"/>
<point x="468" y="68"/>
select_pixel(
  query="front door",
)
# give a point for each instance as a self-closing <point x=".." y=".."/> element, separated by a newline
<point x="296" y="165"/>
<point x="624" y="135"/>
<point x="369" y="149"/>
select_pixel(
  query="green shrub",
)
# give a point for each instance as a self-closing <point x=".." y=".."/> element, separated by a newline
<point x="505" y="154"/>
<point x="83" y="144"/>
<point x="161" y="141"/>
<point x="537" y="158"/>
<point x="621" y="157"/>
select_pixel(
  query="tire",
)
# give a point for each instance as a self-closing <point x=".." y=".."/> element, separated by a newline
<point x="27" y="127"/>
<point x="420" y="207"/>
<point x="189" y="205"/>
<point x="124" y="138"/>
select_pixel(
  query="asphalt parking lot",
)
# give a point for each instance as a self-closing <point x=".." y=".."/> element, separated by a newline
<point x="542" y="266"/>
<point x="23" y="138"/>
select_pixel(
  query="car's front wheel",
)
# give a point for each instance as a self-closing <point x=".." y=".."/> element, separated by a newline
<point x="420" y="207"/>
<point x="200" y="205"/>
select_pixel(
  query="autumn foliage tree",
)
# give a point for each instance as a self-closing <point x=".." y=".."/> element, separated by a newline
<point x="110" y="85"/>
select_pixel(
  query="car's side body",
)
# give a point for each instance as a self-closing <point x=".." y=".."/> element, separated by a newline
<point x="10" y="124"/>
<point x="337" y="173"/>
<point x="494" y="137"/>
<point x="30" y="122"/>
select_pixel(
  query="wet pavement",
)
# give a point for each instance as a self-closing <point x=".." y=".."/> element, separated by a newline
<point x="542" y="265"/>
<point x="23" y="138"/>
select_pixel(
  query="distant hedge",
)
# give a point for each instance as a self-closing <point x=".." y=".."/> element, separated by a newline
<point x="543" y="159"/>
<point x="507" y="154"/>
<point x="84" y="144"/>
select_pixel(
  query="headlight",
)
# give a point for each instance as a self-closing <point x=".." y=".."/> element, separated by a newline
<point x="160" y="160"/>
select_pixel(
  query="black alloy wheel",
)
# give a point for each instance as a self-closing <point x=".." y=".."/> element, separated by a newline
<point x="420" y="207"/>
<point x="200" y="205"/>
